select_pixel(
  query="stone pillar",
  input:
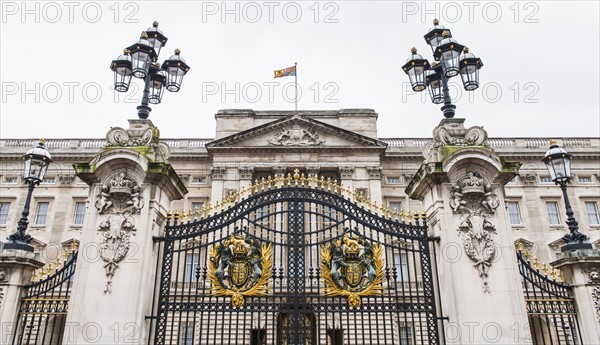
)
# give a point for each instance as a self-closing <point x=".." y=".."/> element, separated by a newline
<point x="347" y="176"/>
<point x="375" y="184"/>
<point x="131" y="188"/>
<point x="461" y="186"/>
<point x="217" y="176"/>
<point x="581" y="270"/>
<point x="16" y="268"/>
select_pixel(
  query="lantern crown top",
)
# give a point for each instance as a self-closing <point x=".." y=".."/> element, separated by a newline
<point x="446" y="34"/>
<point x="177" y="51"/>
<point x="552" y="142"/>
<point x="39" y="152"/>
<point x="436" y="21"/>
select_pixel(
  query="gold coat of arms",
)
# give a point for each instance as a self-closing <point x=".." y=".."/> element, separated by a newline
<point x="352" y="267"/>
<point x="240" y="266"/>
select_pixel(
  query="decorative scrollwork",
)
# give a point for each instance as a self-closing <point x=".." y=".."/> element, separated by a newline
<point x="240" y="266"/>
<point x="352" y="268"/>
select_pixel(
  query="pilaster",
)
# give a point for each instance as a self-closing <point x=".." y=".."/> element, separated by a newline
<point x="461" y="185"/>
<point x="131" y="188"/>
<point x="16" y="268"/>
<point x="581" y="270"/>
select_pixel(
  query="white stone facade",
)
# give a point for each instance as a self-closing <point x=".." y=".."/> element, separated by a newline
<point x="341" y="144"/>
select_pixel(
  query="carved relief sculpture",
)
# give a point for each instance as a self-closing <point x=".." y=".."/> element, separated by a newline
<point x="593" y="274"/>
<point x="475" y="202"/>
<point x="118" y="201"/>
<point x="296" y="136"/>
<point x="3" y="280"/>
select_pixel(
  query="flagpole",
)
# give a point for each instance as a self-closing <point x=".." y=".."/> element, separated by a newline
<point x="296" y="86"/>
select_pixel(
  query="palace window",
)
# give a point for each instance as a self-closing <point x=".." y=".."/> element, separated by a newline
<point x="393" y="179"/>
<point x="199" y="180"/>
<point x="192" y="263"/>
<point x="186" y="333"/>
<point x="552" y="208"/>
<point x="4" y="207"/>
<point x="49" y="180"/>
<point x="41" y="213"/>
<point x="79" y="213"/>
<point x="584" y="179"/>
<point x="11" y="180"/>
<point x="401" y="265"/>
<point x="592" y="212"/>
<point x="545" y="179"/>
<point x="396" y="205"/>
<point x="406" y="335"/>
<point x="514" y="213"/>
<point x="197" y="206"/>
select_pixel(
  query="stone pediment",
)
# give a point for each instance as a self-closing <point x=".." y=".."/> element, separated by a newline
<point x="298" y="133"/>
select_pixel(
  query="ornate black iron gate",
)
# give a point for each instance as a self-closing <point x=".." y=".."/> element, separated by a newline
<point x="43" y="309"/>
<point x="295" y="262"/>
<point x="551" y="308"/>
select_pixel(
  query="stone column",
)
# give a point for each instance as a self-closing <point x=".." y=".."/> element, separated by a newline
<point x="375" y="184"/>
<point x="347" y="176"/>
<point x="131" y="188"/>
<point x="581" y="270"/>
<point x="461" y="186"/>
<point x="217" y="176"/>
<point x="16" y="268"/>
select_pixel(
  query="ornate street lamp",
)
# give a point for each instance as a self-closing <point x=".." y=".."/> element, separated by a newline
<point x="558" y="162"/>
<point x="36" y="163"/>
<point x="447" y="52"/>
<point x="139" y="60"/>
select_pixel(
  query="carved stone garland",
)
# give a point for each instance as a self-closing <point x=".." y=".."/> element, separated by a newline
<point x="594" y="280"/>
<point x="3" y="280"/>
<point x="474" y="200"/>
<point x="118" y="201"/>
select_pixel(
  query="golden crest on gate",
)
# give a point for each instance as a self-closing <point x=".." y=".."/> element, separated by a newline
<point x="240" y="266"/>
<point x="352" y="267"/>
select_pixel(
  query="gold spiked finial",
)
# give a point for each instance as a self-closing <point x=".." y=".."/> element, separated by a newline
<point x="74" y="246"/>
<point x="296" y="176"/>
<point x="545" y="269"/>
<point x="553" y="142"/>
<point x="519" y="246"/>
<point x="413" y="50"/>
<point x="536" y="264"/>
<point x="560" y="276"/>
<point x="436" y="21"/>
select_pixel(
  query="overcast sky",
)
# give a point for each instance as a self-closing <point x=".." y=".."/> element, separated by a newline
<point x="540" y="76"/>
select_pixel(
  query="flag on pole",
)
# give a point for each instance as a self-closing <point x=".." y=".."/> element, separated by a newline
<point x="290" y="71"/>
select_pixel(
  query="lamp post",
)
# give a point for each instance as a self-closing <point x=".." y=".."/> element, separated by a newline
<point x="37" y="161"/>
<point x="449" y="63"/>
<point x="558" y="162"/>
<point x="139" y="60"/>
